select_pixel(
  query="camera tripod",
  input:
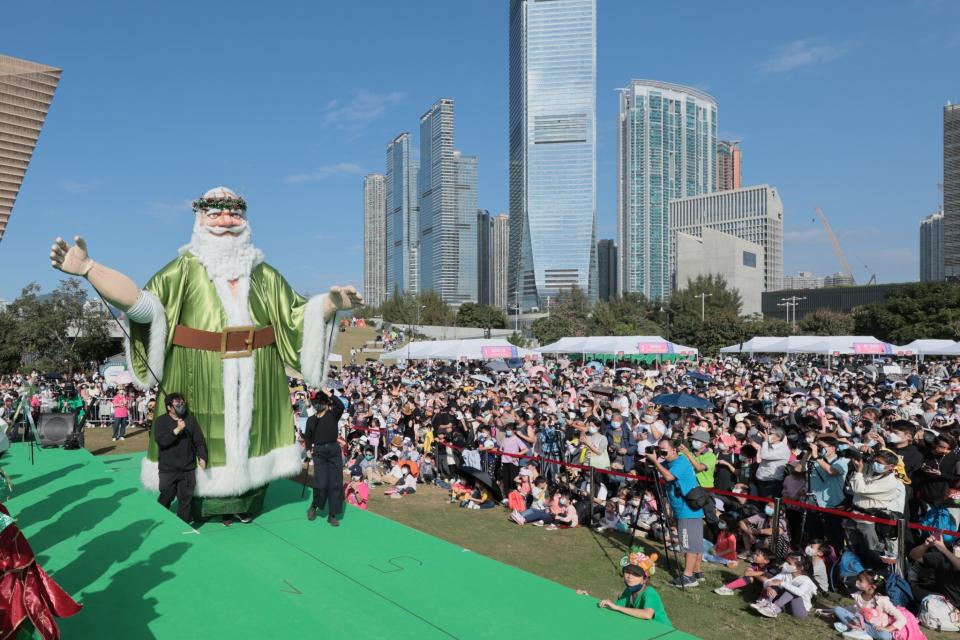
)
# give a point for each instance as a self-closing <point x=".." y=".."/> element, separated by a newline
<point x="654" y="481"/>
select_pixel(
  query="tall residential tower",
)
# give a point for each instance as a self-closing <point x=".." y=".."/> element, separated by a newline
<point x="374" y="239"/>
<point x="500" y="247"/>
<point x="668" y="150"/>
<point x="931" y="248"/>
<point x="552" y="145"/>
<point x="729" y="165"/>
<point x="951" y="191"/>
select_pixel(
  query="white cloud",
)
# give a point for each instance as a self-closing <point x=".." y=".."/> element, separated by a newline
<point x="801" y="53"/>
<point x="362" y="106"/>
<point x="324" y="172"/>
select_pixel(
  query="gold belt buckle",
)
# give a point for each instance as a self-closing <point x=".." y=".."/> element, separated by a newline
<point x="246" y="353"/>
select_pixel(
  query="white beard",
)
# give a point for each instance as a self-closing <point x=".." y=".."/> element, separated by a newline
<point x="225" y="255"/>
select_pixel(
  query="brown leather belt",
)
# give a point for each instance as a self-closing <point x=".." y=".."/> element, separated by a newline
<point x="232" y="342"/>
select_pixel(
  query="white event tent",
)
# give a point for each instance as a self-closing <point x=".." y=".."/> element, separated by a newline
<point x="933" y="348"/>
<point x="474" y="349"/>
<point x="826" y="345"/>
<point x="616" y="345"/>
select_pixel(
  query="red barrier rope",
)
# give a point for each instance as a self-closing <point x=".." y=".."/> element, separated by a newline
<point x="849" y="515"/>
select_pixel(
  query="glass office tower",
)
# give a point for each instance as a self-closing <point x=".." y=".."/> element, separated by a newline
<point x="403" y="217"/>
<point x="668" y="150"/>
<point x="552" y="141"/>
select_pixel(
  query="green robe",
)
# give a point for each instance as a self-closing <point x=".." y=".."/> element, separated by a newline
<point x="242" y="404"/>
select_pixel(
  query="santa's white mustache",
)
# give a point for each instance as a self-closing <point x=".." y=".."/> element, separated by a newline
<point x="235" y="230"/>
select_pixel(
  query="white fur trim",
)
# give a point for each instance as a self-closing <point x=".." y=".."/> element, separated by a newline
<point x="149" y="308"/>
<point x="220" y="482"/>
<point x="317" y="332"/>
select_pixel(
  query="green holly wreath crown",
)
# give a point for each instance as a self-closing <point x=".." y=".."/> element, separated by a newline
<point x="223" y="204"/>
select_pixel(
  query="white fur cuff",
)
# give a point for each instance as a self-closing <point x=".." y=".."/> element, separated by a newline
<point x="317" y="332"/>
<point x="149" y="308"/>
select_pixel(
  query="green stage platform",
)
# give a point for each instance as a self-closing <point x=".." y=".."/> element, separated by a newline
<point x="141" y="573"/>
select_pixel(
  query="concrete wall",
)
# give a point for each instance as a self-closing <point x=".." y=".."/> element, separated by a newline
<point x="722" y="254"/>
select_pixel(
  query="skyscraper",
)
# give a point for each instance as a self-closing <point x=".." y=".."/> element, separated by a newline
<point x="951" y="191"/>
<point x="26" y="91"/>
<point x="754" y="214"/>
<point x="729" y="169"/>
<point x="484" y="257"/>
<point x="607" y="268"/>
<point x="403" y="217"/>
<point x="931" y="248"/>
<point x="448" y="210"/>
<point x="500" y="245"/>
<point x="374" y="238"/>
<point x="552" y="143"/>
<point x="668" y="150"/>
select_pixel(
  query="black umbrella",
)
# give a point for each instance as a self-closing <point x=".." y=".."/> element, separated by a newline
<point x="483" y="478"/>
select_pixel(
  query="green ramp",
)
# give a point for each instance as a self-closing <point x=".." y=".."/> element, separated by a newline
<point x="142" y="573"/>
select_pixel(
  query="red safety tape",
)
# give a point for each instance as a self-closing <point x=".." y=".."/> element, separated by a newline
<point x="849" y="515"/>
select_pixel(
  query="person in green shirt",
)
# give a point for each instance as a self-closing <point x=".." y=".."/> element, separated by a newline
<point x="638" y="600"/>
<point x="704" y="460"/>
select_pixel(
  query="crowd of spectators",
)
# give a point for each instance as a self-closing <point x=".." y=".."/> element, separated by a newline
<point x="561" y="445"/>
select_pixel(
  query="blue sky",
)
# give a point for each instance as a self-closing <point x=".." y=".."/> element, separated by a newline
<point x="291" y="103"/>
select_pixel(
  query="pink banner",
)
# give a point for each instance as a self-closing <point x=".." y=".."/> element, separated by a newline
<point x="869" y="348"/>
<point x="491" y="353"/>
<point x="653" y="347"/>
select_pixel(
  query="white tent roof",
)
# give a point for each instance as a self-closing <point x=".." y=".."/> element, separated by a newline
<point x="627" y="345"/>
<point x="933" y="347"/>
<point x="475" y="349"/>
<point x="760" y="344"/>
<point x="827" y="345"/>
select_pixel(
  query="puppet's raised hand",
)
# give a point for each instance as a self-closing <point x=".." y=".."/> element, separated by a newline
<point x="342" y="299"/>
<point x="74" y="259"/>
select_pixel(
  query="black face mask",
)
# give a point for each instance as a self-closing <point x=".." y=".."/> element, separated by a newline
<point x="180" y="409"/>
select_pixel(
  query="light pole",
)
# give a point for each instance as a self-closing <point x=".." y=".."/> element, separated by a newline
<point x="792" y="301"/>
<point x="516" y="315"/>
<point x="703" y="305"/>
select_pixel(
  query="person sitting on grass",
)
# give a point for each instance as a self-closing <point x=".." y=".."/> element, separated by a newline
<point x="566" y="516"/>
<point x="460" y="489"/>
<point x="357" y="492"/>
<point x="517" y="499"/>
<point x="724" y="550"/>
<point x="406" y="485"/>
<point x="368" y="467"/>
<point x="873" y="615"/>
<point x="611" y="516"/>
<point x="428" y="473"/>
<point x="639" y="599"/>
<point x="479" y="498"/>
<point x="791" y="590"/>
<point x="821" y="555"/>
<point x="538" y="513"/>
<point x="758" y="571"/>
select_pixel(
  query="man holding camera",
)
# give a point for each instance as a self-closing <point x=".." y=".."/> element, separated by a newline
<point x="182" y="448"/>
<point x="827" y="473"/>
<point x="681" y="479"/>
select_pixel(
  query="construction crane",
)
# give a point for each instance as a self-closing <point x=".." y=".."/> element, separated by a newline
<point x="837" y="251"/>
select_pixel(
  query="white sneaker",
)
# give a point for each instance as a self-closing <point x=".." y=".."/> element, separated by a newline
<point x="122" y="438"/>
<point x="538" y="523"/>
<point x="724" y="591"/>
<point x="114" y="439"/>
<point x="857" y="634"/>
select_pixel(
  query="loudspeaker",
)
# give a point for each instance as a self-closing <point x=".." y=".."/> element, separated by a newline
<point x="54" y="428"/>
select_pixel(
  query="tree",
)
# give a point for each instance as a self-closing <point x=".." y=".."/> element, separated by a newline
<point x="925" y="310"/>
<point x="720" y="324"/>
<point x="826" y="323"/>
<point x="516" y="340"/>
<point x="426" y="308"/>
<point x="61" y="331"/>
<point x="481" y="315"/>
<point x="629" y="315"/>
<point x="767" y="327"/>
<point x="569" y="316"/>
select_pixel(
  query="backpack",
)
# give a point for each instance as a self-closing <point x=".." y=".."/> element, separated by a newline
<point x="899" y="591"/>
<point x="844" y="572"/>
<point x="939" y="614"/>
<point x="940" y="518"/>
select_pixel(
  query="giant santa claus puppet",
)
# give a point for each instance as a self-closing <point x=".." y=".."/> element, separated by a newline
<point x="218" y="324"/>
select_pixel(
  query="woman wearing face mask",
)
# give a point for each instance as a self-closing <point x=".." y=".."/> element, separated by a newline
<point x="792" y="590"/>
<point x="639" y="599"/>
<point x="596" y="446"/>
